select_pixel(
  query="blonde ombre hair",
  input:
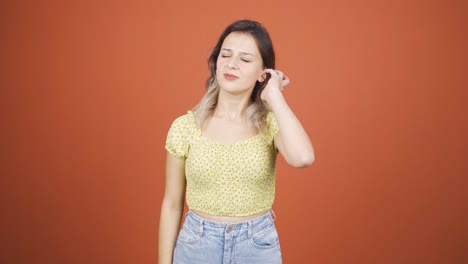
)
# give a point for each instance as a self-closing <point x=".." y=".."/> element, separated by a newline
<point x="257" y="110"/>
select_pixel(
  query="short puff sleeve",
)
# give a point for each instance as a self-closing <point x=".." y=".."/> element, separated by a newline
<point x="272" y="127"/>
<point x="179" y="136"/>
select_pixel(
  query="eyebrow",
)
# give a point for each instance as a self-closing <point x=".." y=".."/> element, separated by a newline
<point x="243" y="52"/>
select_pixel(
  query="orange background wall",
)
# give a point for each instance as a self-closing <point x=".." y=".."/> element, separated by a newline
<point x="90" y="88"/>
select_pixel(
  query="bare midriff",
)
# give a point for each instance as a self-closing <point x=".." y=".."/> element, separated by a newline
<point x="228" y="219"/>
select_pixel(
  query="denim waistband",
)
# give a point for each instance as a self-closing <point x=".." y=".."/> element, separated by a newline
<point x="269" y="214"/>
<point x="201" y="224"/>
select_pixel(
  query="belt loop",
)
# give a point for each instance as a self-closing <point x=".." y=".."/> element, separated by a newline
<point x="200" y="228"/>
<point x="272" y="213"/>
<point x="249" y="232"/>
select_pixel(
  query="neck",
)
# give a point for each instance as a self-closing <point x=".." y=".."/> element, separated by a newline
<point x="231" y="106"/>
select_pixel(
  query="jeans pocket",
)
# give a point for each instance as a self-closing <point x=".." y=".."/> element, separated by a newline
<point x="188" y="236"/>
<point x="266" y="238"/>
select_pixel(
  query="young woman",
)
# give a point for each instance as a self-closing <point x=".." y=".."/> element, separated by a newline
<point x="222" y="155"/>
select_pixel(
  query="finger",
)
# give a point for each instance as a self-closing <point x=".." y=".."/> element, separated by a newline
<point x="271" y="71"/>
<point x="280" y="75"/>
<point x="286" y="80"/>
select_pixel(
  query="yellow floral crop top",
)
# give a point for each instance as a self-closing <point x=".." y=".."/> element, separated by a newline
<point x="235" y="179"/>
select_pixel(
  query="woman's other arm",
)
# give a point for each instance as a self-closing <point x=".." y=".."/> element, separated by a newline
<point x="172" y="208"/>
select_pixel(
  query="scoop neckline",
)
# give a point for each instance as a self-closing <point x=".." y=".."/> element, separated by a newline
<point x="237" y="142"/>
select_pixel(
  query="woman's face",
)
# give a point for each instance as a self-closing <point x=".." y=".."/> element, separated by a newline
<point x="239" y="64"/>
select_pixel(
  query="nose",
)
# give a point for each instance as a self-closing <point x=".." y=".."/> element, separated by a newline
<point x="232" y="63"/>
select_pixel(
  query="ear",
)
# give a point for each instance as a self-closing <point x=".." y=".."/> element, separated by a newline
<point x="262" y="77"/>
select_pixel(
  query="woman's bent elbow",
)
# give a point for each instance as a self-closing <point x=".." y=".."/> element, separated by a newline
<point x="302" y="162"/>
<point x="307" y="161"/>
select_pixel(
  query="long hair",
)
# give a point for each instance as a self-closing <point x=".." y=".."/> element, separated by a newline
<point x="256" y="110"/>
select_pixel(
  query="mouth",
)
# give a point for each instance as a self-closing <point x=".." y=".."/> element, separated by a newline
<point x="230" y="76"/>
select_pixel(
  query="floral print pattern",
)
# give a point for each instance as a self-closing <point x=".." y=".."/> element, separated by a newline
<point x="235" y="179"/>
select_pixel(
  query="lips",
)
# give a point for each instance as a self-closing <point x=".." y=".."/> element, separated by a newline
<point x="230" y="76"/>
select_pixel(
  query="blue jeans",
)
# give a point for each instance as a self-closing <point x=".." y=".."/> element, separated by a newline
<point x="207" y="242"/>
